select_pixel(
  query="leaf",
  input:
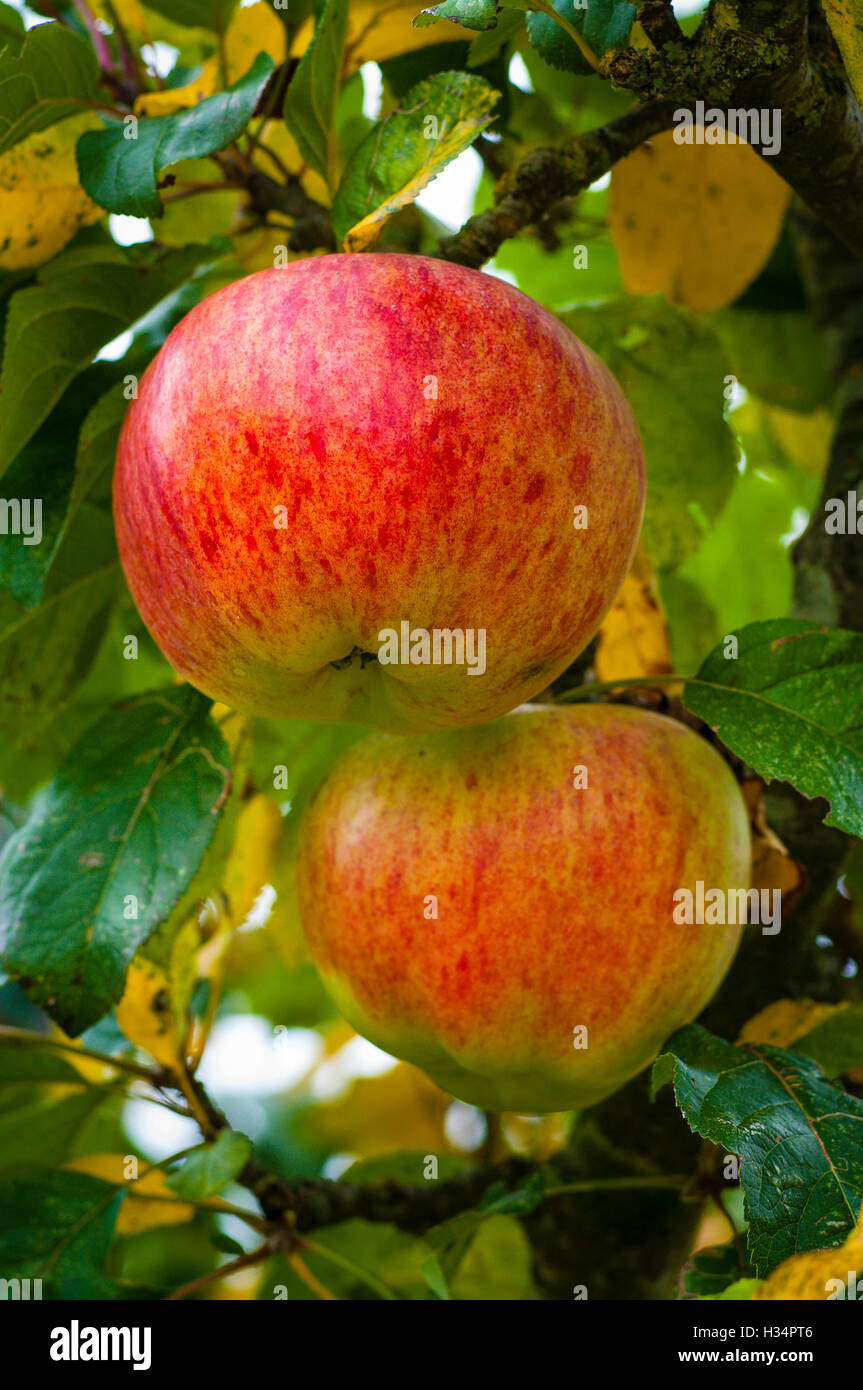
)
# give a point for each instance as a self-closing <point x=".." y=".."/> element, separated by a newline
<point x="50" y="472"/>
<point x="435" y="1278"/>
<point x="54" y="75"/>
<point x="671" y="368"/>
<point x="210" y="1167"/>
<point x="784" y="1021"/>
<point x="56" y="1225"/>
<point x="22" y="1060"/>
<point x="110" y="846"/>
<point x="823" y="1275"/>
<point x="42" y="205"/>
<point x="397" y="159"/>
<point x="312" y="97"/>
<point x="196" y="14"/>
<point x="488" y="44"/>
<point x="83" y="299"/>
<point x="633" y="640"/>
<point x="12" y="29"/>
<point x="473" y="14"/>
<point x="790" y="706"/>
<point x="496" y="1265"/>
<point x="844" y="19"/>
<point x="46" y="651"/>
<point x="798" y="1138"/>
<point x="253" y="29"/>
<point x="696" y="222"/>
<point x="153" y="1010"/>
<point x="43" y="1131"/>
<point x="711" y="1271"/>
<point x="836" y="1042"/>
<point x="603" y="24"/>
<point x="149" y="1202"/>
<point x="379" y="30"/>
<point x="120" y="173"/>
<point x="778" y="355"/>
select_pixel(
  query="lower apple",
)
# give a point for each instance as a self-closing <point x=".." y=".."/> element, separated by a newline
<point x="497" y="904"/>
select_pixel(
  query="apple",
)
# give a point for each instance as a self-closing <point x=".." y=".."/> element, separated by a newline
<point x="497" y="905"/>
<point x="375" y="488"/>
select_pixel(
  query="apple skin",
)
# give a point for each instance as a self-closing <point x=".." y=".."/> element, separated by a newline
<point x="555" y="904"/>
<point x="306" y="388"/>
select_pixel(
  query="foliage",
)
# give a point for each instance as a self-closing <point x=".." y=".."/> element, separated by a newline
<point x="147" y="840"/>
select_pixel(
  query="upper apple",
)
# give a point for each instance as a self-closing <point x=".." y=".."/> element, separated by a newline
<point x="322" y="453"/>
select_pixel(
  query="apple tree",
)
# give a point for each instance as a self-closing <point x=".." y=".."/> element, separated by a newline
<point x="184" y="1112"/>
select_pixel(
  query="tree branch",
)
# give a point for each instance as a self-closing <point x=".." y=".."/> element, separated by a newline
<point x="547" y="175"/>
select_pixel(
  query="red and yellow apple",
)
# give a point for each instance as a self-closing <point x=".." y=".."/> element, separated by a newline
<point x="476" y="909"/>
<point x="322" y="453"/>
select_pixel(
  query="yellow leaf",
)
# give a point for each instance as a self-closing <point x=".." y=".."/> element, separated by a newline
<point x="469" y="113"/>
<point x="772" y="865"/>
<point x="42" y="204"/>
<point x="253" y="30"/>
<point x="846" y="22"/>
<point x="153" y="1010"/>
<point x="805" y="439"/>
<point x="138" y="1212"/>
<point x="786" y="1020"/>
<point x="399" y="1110"/>
<point x="251" y="861"/>
<point x="633" y="639"/>
<point x="380" y="31"/>
<point x="817" y="1276"/>
<point x="696" y="222"/>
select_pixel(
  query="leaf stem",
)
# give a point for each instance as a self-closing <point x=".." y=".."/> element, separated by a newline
<point x="26" y="1037"/>
<point x="310" y="1279"/>
<point x="373" y="1282"/>
<point x="584" y="48"/>
<point x="247" y="1261"/>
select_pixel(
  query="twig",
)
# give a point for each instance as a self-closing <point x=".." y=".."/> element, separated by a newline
<point x="254" y="1257"/>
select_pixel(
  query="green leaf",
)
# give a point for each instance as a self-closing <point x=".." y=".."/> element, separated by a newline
<point x="225" y="1244"/>
<point x="791" y="706"/>
<point x="46" y="651"/>
<point x="22" y="1060"/>
<point x="312" y="97"/>
<point x="13" y="31"/>
<point x="196" y="14"/>
<point x="362" y="1259"/>
<point x="671" y="368"/>
<point x="56" y="1225"/>
<point x="43" y="1131"/>
<point x="603" y="24"/>
<point x="111" y="844"/>
<point x="798" y="1138"/>
<point x="440" y="118"/>
<point x="51" y="477"/>
<point x="713" y="1269"/>
<point x="209" y="1168"/>
<point x="497" y="1264"/>
<point x="435" y="1278"/>
<point x="778" y="356"/>
<point x="84" y="299"/>
<point x="55" y="74"/>
<point x="404" y="1166"/>
<point x="120" y="174"/>
<point x="837" y="1043"/>
<point x="488" y="44"/>
<point x="473" y="14"/>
